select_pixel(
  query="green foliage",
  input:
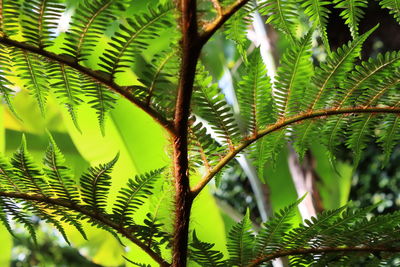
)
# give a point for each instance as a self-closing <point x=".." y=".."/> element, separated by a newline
<point x="108" y="49"/>
<point x="324" y="239"/>
<point x="55" y="197"/>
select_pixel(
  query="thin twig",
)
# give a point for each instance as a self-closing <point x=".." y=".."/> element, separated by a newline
<point x="100" y="77"/>
<point x="282" y="124"/>
<point x="217" y="6"/>
<point x="217" y="23"/>
<point x="101" y="218"/>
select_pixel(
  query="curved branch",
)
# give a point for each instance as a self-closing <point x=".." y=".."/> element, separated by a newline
<point x="100" y="77"/>
<point x="92" y="214"/>
<point x="305" y="251"/>
<point x="224" y="15"/>
<point x="282" y="124"/>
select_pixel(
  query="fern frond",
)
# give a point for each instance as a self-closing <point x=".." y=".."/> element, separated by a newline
<point x="306" y="232"/>
<point x="303" y="134"/>
<point x="7" y="176"/>
<point x="210" y="104"/>
<point x="282" y="15"/>
<point x="333" y="133"/>
<point x="255" y="95"/>
<point x="151" y="233"/>
<point x="393" y="6"/>
<point x="389" y="134"/>
<point x="60" y="176"/>
<point x="159" y="80"/>
<point x="331" y="73"/>
<point x="102" y="100"/>
<point x="240" y="242"/>
<point x="266" y="149"/>
<point x="203" y="149"/>
<point x="131" y="197"/>
<point x="67" y="87"/>
<point x="333" y="238"/>
<point x="88" y="25"/>
<point x="293" y="76"/>
<point x="352" y="13"/>
<point x="318" y="13"/>
<point x="5" y="84"/>
<point x="27" y="175"/>
<point x="11" y="208"/>
<point x="9" y="17"/>
<point x="270" y="238"/>
<point x="96" y="183"/>
<point x="237" y="26"/>
<point x="132" y="39"/>
<point x="381" y="92"/>
<point x="31" y="69"/>
<point x="204" y="255"/>
<point x="366" y="76"/>
<point x="40" y="20"/>
<point x="361" y="129"/>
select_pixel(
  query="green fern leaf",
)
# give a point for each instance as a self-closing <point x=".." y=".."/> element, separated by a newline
<point x="88" y="25"/>
<point x="31" y="69"/>
<point x="151" y="234"/>
<point x="333" y="72"/>
<point x="48" y="218"/>
<point x="9" y="17"/>
<point x="282" y="14"/>
<point x="60" y="176"/>
<point x="255" y="95"/>
<point x="130" y="198"/>
<point x="270" y="238"/>
<point x="67" y="87"/>
<point x="389" y="134"/>
<point x="12" y="209"/>
<point x="266" y="149"/>
<point x="303" y="134"/>
<point x="393" y="6"/>
<point x="96" y="183"/>
<point x="352" y="13"/>
<point x="318" y="13"/>
<point x="210" y="104"/>
<point x="134" y="38"/>
<point x="101" y="99"/>
<point x="204" y="255"/>
<point x="204" y="150"/>
<point x="159" y="80"/>
<point x="7" y="176"/>
<point x="334" y="131"/>
<point x="40" y="20"/>
<point x="71" y="219"/>
<point x="365" y="77"/>
<point x="236" y="28"/>
<point x="382" y="91"/>
<point x="362" y="128"/>
<point x="302" y="235"/>
<point x="5" y="84"/>
<point x="5" y="221"/>
<point x="293" y="76"/>
<point x="240" y="242"/>
<point x="28" y="176"/>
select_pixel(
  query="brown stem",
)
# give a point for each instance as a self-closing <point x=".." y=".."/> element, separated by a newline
<point x="191" y="47"/>
<point x="212" y="27"/>
<point x="99" y="77"/>
<point x="307" y="251"/>
<point x="282" y="124"/>
<point x="101" y="218"/>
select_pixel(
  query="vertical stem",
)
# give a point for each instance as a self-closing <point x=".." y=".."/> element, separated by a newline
<point x="191" y="47"/>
